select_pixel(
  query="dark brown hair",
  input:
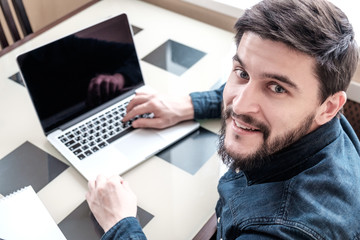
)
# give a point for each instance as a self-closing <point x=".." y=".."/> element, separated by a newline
<point x="314" y="27"/>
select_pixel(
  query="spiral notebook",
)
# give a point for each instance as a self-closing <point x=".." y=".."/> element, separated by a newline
<point x="23" y="216"/>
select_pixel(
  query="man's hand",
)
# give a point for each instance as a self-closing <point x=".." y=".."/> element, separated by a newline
<point x="111" y="200"/>
<point x="167" y="110"/>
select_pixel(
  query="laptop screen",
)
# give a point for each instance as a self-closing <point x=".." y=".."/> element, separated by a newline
<point x="87" y="70"/>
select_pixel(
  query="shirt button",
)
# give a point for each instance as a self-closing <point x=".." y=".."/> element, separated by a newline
<point x="218" y="219"/>
<point x="237" y="170"/>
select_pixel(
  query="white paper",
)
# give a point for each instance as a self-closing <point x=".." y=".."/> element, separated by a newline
<point x="23" y="216"/>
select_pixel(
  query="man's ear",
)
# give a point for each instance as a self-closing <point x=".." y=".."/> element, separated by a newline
<point x="330" y="107"/>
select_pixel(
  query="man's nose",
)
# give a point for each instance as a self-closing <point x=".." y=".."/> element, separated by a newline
<point x="248" y="100"/>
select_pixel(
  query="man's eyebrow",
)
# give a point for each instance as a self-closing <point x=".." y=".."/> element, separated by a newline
<point x="281" y="78"/>
<point x="237" y="59"/>
<point x="278" y="77"/>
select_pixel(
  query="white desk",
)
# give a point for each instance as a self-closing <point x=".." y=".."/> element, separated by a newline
<point x="180" y="202"/>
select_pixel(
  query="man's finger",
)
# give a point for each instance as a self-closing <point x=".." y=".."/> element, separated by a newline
<point x="100" y="181"/>
<point x="91" y="185"/>
<point x="137" y="100"/>
<point x="138" y="110"/>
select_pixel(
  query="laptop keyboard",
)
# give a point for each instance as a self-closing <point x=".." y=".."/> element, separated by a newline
<point x="99" y="132"/>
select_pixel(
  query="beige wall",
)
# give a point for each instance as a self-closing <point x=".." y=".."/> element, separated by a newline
<point x="356" y="77"/>
<point x="44" y="12"/>
<point x="202" y="14"/>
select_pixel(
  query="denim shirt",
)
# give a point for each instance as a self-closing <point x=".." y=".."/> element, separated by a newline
<point x="126" y="229"/>
<point x="310" y="190"/>
<point x="207" y="104"/>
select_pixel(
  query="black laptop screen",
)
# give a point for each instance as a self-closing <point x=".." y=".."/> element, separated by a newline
<point x="78" y="73"/>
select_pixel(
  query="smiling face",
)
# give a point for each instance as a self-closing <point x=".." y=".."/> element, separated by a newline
<point x="271" y="99"/>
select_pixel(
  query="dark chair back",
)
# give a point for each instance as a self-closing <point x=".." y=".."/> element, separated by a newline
<point x="17" y="23"/>
<point x="3" y="41"/>
<point x="22" y="17"/>
<point x="14" y="24"/>
<point x="10" y="21"/>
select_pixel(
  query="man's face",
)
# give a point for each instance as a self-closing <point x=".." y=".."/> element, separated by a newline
<point x="270" y="101"/>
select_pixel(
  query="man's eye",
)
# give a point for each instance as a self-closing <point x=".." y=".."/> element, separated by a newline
<point x="242" y="74"/>
<point x="277" y="88"/>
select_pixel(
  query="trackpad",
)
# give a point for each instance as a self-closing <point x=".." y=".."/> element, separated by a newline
<point x="140" y="144"/>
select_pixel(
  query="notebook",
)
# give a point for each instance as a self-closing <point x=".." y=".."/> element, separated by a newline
<point x="80" y="86"/>
<point x="23" y="216"/>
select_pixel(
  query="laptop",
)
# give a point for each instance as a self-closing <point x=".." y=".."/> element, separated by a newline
<point x="80" y="86"/>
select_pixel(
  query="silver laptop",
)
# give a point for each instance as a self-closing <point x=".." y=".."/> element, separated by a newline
<point x="80" y="86"/>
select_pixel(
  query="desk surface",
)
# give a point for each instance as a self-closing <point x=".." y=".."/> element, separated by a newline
<point x="181" y="202"/>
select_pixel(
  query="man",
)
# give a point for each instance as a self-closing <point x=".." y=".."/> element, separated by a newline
<point x="294" y="160"/>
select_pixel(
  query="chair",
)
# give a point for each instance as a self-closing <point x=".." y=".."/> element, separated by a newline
<point x="14" y="24"/>
<point x="22" y="17"/>
<point x="17" y="17"/>
<point x="3" y="41"/>
<point x="5" y="7"/>
<point x="352" y="113"/>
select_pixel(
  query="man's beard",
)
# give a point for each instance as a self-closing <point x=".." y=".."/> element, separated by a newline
<point x="258" y="158"/>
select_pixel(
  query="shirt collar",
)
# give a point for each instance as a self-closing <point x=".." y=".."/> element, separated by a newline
<point x="295" y="158"/>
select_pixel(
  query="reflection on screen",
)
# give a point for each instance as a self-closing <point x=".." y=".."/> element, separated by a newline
<point x="80" y="72"/>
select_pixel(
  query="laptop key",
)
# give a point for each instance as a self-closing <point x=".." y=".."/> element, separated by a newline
<point x="68" y="144"/>
<point x="75" y="146"/>
<point x="77" y="132"/>
<point x="78" y="138"/>
<point x="77" y="151"/>
<point x="120" y="134"/>
<point x="70" y="136"/>
<point x="88" y="153"/>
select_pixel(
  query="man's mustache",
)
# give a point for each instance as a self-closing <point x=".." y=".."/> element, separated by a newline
<point x="248" y="120"/>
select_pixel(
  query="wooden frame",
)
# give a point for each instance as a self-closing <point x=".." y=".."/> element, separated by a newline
<point x="208" y="230"/>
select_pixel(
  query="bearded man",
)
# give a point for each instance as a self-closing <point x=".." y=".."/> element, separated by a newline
<point x="294" y="163"/>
